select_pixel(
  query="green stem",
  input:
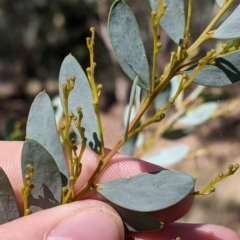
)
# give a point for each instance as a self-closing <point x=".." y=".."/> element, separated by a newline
<point x="103" y="162"/>
<point x="91" y="71"/>
<point x="131" y="102"/>
<point x="66" y="133"/>
<point x="155" y="19"/>
<point x="210" y="187"/>
<point x="187" y="30"/>
<point x="108" y="157"/>
<point x="159" y="132"/>
<point x="155" y="52"/>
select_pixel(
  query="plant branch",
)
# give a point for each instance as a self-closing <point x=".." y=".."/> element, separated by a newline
<point x="187" y="29"/>
<point x="155" y="18"/>
<point x="26" y="189"/>
<point x="210" y="187"/>
<point x="96" y="90"/>
<point x="206" y="33"/>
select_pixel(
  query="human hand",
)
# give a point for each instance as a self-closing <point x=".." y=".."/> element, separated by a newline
<point x="92" y="219"/>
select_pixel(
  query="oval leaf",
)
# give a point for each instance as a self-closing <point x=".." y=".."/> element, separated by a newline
<point x="137" y="221"/>
<point x="129" y="146"/>
<point x="136" y="141"/>
<point x="81" y="96"/>
<point x="46" y="179"/>
<point x="230" y="28"/>
<point x="199" y="115"/>
<point x="131" y="113"/>
<point x="173" y="20"/>
<point x="169" y="92"/>
<point x="8" y="205"/>
<point x="125" y="37"/>
<point x="175" y="82"/>
<point x="132" y="143"/>
<point x="41" y="127"/>
<point x="226" y="71"/>
<point x="177" y="133"/>
<point x="168" y="156"/>
<point x="148" y="192"/>
<point x="138" y="98"/>
<point x="162" y="98"/>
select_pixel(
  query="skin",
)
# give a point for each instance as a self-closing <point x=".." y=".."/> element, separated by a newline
<point x="91" y="218"/>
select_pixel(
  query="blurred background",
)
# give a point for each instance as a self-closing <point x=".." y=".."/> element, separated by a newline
<point x="36" y="35"/>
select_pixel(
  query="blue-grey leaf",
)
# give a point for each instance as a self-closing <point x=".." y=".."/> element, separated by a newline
<point x="131" y="105"/>
<point x="230" y="28"/>
<point x="162" y="98"/>
<point x="168" y="156"/>
<point x="199" y="115"/>
<point x="140" y="140"/>
<point x="138" y="98"/>
<point x="137" y="221"/>
<point x="125" y="37"/>
<point x="81" y="96"/>
<point x="8" y="205"/>
<point x="175" y="83"/>
<point x="148" y="192"/>
<point x="58" y="109"/>
<point x="46" y="179"/>
<point x="173" y="20"/>
<point x="41" y="127"/>
<point x="226" y="71"/>
<point x="219" y="2"/>
<point x="137" y="139"/>
<point x="177" y="133"/>
<point x="129" y="146"/>
<point x="169" y="92"/>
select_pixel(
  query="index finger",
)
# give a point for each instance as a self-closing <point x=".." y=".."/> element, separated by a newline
<point x="119" y="166"/>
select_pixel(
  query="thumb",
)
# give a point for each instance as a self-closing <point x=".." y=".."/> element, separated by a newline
<point x="88" y="219"/>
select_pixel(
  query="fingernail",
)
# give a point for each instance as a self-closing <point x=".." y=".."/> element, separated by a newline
<point x="86" y="225"/>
